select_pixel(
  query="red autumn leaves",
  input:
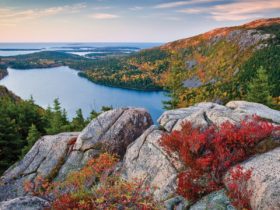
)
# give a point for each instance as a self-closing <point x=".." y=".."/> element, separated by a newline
<point x="209" y="153"/>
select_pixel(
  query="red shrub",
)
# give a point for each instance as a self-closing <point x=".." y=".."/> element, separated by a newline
<point x="237" y="187"/>
<point x="209" y="153"/>
<point x="94" y="187"/>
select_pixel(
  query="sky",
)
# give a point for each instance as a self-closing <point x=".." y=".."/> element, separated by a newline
<point x="123" y="20"/>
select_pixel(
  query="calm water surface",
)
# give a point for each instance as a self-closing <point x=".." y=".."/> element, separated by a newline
<point x="75" y="92"/>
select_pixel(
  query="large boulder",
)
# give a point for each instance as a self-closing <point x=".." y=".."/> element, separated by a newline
<point x="265" y="180"/>
<point x="146" y="159"/>
<point x="25" y="203"/>
<point x="53" y="157"/>
<point x="255" y="109"/>
<point x="205" y="114"/>
<point x="215" y="201"/>
<point x="43" y="160"/>
<point x="112" y="131"/>
<point x="200" y="115"/>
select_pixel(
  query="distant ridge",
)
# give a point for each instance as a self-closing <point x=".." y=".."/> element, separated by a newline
<point x="192" y="41"/>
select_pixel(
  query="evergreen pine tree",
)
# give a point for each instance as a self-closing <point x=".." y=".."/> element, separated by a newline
<point x="29" y="113"/>
<point x="10" y="142"/>
<point x="64" y="117"/>
<point x="259" y="88"/>
<point x="16" y="117"/>
<point x="47" y="117"/>
<point x="93" y="114"/>
<point x="58" y="121"/>
<point x="174" y="83"/>
<point x="78" y="122"/>
<point x="33" y="136"/>
<point x="56" y="105"/>
<point x="106" y="108"/>
<point x="31" y="100"/>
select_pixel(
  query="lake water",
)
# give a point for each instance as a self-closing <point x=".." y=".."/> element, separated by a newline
<point x="75" y="92"/>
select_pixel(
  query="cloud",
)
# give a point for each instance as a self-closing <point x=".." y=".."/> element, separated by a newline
<point x="194" y="10"/>
<point x="102" y="7"/>
<point x="181" y="3"/>
<point x="103" y="16"/>
<point x="238" y="10"/>
<point x="12" y="16"/>
<point x="241" y="10"/>
<point x="136" y="8"/>
<point x="172" y="18"/>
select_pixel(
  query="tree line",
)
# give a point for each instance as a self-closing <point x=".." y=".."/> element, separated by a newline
<point x="22" y="123"/>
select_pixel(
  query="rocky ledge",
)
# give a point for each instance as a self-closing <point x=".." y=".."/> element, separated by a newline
<point x="53" y="157"/>
<point x="129" y="133"/>
<point x="146" y="159"/>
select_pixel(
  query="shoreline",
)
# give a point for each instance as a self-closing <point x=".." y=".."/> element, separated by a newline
<point x="84" y="75"/>
<point x="3" y="73"/>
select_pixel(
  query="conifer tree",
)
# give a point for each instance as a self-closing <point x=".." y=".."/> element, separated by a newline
<point x="16" y="117"/>
<point x="78" y="122"/>
<point x="106" y="108"/>
<point x="93" y="114"/>
<point x="33" y="136"/>
<point x="58" y="121"/>
<point x="174" y="83"/>
<point x="10" y="142"/>
<point x="259" y="88"/>
<point x="47" y="117"/>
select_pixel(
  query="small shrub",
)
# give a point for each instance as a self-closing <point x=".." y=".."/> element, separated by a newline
<point x="209" y="153"/>
<point x="94" y="187"/>
<point x="238" y="190"/>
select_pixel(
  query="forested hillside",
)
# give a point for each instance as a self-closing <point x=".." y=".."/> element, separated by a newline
<point x="219" y="65"/>
<point x="215" y="66"/>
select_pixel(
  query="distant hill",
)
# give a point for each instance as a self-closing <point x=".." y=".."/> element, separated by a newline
<point x="231" y="33"/>
<point x="214" y="66"/>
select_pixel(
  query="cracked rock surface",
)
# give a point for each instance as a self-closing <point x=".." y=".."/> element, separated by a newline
<point x="25" y="203"/>
<point x="43" y="160"/>
<point x="265" y="180"/>
<point x="145" y="159"/>
<point x="53" y="157"/>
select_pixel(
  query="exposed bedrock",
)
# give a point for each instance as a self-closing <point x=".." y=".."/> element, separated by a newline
<point x="146" y="159"/>
<point x="53" y="157"/>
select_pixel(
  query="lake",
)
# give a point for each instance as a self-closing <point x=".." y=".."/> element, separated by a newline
<point x="75" y="92"/>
